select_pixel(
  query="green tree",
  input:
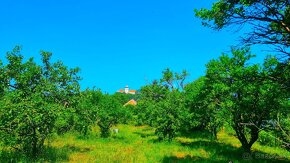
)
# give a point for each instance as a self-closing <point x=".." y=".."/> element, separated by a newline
<point x="268" y="23"/>
<point x="173" y="80"/>
<point x="26" y="122"/>
<point x="238" y="90"/>
<point x="269" y="20"/>
<point x="86" y="111"/>
<point x="203" y="111"/>
<point x="149" y="95"/>
<point x="161" y="104"/>
<point x="194" y="100"/>
<point x="109" y="113"/>
<point x="122" y="98"/>
<point x="170" y="116"/>
<point x="33" y="96"/>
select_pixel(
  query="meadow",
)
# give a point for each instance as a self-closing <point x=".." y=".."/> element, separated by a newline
<point x="139" y="144"/>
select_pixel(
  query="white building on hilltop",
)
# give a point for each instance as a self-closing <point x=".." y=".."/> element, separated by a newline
<point x="127" y="90"/>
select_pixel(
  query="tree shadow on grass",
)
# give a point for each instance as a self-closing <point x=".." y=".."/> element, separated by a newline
<point x="72" y="148"/>
<point x="49" y="154"/>
<point x="186" y="159"/>
<point x="220" y="152"/>
<point x="199" y="134"/>
<point x="144" y="134"/>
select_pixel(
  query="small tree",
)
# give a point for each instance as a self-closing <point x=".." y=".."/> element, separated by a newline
<point x="86" y="111"/>
<point x="195" y="98"/>
<point x="146" y="111"/>
<point x="109" y="113"/>
<point x="161" y="104"/>
<point x="170" y="117"/>
<point x="204" y="111"/>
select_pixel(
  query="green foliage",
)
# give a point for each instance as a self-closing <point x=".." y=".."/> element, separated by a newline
<point x="269" y="20"/>
<point x="244" y="93"/>
<point x="142" y="113"/>
<point x="269" y="139"/>
<point x="25" y="124"/>
<point x="33" y="98"/>
<point x="161" y="105"/>
<point x="128" y="112"/>
<point x="170" y="117"/>
<point x="110" y="112"/>
<point x="282" y="130"/>
<point x="65" y="120"/>
<point x="123" y="98"/>
<point x="149" y="95"/>
<point x="101" y="109"/>
<point x="194" y="94"/>
<point x="205" y="114"/>
<point x="86" y="111"/>
<point x="173" y="80"/>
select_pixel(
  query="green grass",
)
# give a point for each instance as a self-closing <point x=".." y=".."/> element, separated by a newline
<point x="139" y="144"/>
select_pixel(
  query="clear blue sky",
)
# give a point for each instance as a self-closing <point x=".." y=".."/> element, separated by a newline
<point x="114" y="42"/>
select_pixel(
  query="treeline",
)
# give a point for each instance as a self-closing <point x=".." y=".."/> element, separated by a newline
<point x="38" y="100"/>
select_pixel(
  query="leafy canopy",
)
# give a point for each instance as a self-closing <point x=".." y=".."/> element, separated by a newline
<point x="32" y="98"/>
<point x="269" y="20"/>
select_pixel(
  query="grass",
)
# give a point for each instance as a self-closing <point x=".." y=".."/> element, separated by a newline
<point x="139" y="144"/>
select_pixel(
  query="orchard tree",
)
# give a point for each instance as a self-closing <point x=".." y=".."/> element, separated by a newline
<point x="268" y="23"/>
<point x="26" y="122"/>
<point x="170" y="116"/>
<point x="194" y="100"/>
<point x="204" y="113"/>
<point x="269" y="20"/>
<point x="109" y="113"/>
<point x="151" y="94"/>
<point x="123" y="98"/>
<point x="161" y="104"/>
<point x="86" y="111"/>
<point x="154" y="92"/>
<point x="238" y="90"/>
<point x="173" y="80"/>
<point x="33" y="97"/>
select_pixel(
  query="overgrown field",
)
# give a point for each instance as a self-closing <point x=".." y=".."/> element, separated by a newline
<point x="139" y="144"/>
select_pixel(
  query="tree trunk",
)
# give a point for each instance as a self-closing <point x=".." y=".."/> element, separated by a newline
<point x="34" y="143"/>
<point x="254" y="135"/>
<point x="246" y="145"/>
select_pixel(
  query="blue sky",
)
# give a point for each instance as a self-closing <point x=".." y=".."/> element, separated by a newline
<point x="115" y="43"/>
